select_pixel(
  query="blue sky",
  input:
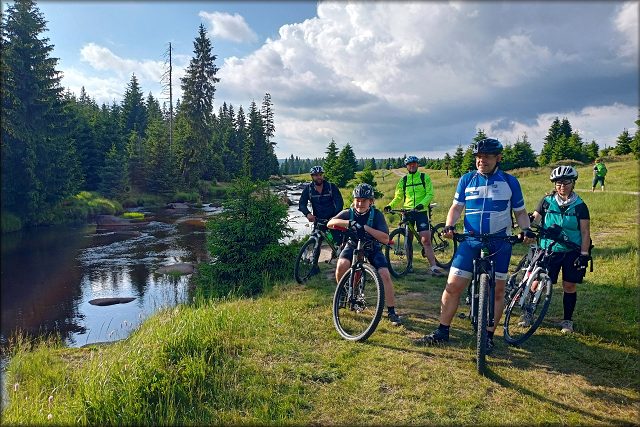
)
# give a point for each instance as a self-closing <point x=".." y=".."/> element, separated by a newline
<point x="390" y="78"/>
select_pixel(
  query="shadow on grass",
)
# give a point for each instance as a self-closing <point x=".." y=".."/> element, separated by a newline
<point x="597" y="418"/>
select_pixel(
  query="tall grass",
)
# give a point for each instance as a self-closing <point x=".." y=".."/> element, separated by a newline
<point x="276" y="359"/>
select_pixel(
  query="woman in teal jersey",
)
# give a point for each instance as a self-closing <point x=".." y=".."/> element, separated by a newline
<point x="563" y="208"/>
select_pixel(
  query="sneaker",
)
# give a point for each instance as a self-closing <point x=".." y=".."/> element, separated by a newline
<point x="490" y="345"/>
<point x="394" y="319"/>
<point x="567" y="326"/>
<point x="435" y="337"/>
<point x="435" y="271"/>
<point x="525" y="320"/>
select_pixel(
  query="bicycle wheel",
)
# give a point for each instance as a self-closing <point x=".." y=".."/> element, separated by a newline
<point x="399" y="254"/>
<point x="522" y="320"/>
<point x="483" y="312"/>
<point x="307" y="260"/>
<point x="356" y="317"/>
<point x="443" y="249"/>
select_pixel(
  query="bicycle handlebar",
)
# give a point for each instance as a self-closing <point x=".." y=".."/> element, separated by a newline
<point x="485" y="237"/>
<point x="354" y="236"/>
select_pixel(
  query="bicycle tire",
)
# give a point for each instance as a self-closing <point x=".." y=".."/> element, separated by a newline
<point x="483" y="312"/>
<point x="398" y="254"/>
<point x="358" y="324"/>
<point x="443" y="249"/>
<point x="511" y="287"/>
<point x="306" y="260"/>
<point x="515" y="333"/>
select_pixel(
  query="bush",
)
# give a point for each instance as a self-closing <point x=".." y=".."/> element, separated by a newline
<point x="183" y="197"/>
<point x="244" y="242"/>
<point x="10" y="222"/>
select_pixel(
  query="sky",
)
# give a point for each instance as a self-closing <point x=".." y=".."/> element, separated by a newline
<point x="389" y="78"/>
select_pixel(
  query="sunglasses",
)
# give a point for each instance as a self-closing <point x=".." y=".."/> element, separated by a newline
<point x="565" y="183"/>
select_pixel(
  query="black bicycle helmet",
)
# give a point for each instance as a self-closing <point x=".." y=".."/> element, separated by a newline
<point x="410" y="159"/>
<point x="563" y="172"/>
<point x="363" y="191"/>
<point x="316" y="169"/>
<point x="487" y="146"/>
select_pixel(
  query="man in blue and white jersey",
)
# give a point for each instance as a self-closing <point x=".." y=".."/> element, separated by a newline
<point x="487" y="197"/>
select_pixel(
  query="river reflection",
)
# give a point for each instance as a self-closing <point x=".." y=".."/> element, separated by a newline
<point x="49" y="275"/>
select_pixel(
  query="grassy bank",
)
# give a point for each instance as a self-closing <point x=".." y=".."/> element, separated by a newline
<point x="277" y="359"/>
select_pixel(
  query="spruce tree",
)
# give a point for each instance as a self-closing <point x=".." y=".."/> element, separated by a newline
<point x="330" y="161"/>
<point x="635" y="144"/>
<point x="134" y="111"/>
<point x="623" y="143"/>
<point x="346" y="166"/>
<point x="546" y="154"/>
<point x="198" y="86"/>
<point x="39" y="162"/>
<point x="456" y="162"/>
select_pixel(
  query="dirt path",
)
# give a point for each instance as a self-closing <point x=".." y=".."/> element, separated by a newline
<point x="585" y="190"/>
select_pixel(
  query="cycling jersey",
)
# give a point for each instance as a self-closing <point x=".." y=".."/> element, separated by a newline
<point x="488" y="201"/>
<point x="413" y="191"/>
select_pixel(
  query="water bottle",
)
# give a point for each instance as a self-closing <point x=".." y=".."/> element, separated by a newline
<point x="329" y="236"/>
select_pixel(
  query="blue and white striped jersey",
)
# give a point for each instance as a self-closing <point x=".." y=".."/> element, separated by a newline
<point x="488" y="201"/>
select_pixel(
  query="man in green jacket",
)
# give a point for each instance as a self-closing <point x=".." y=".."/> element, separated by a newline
<point x="599" y="171"/>
<point x="415" y="191"/>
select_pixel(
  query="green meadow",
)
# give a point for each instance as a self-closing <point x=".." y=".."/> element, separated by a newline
<point x="276" y="359"/>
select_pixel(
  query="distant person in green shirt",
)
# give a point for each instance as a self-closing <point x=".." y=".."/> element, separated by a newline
<point x="599" y="171"/>
<point x="415" y="191"/>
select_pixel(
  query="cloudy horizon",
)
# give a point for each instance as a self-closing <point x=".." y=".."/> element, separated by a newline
<point x="402" y="77"/>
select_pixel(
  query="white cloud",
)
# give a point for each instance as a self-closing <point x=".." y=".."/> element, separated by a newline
<point x="375" y="70"/>
<point x="103" y="90"/>
<point x="626" y="22"/>
<point x="149" y="74"/>
<point x="229" y="27"/>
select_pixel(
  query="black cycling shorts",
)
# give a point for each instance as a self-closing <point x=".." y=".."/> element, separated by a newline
<point x="375" y="257"/>
<point x="421" y="221"/>
<point x="564" y="261"/>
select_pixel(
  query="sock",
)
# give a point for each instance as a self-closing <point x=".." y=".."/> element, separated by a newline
<point x="444" y="328"/>
<point x="391" y="310"/>
<point x="569" y="304"/>
<point x="490" y="334"/>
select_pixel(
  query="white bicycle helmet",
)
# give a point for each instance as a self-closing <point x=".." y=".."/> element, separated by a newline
<point x="316" y="170"/>
<point x="563" y="172"/>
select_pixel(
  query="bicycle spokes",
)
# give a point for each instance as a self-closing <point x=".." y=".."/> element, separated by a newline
<point x="358" y="303"/>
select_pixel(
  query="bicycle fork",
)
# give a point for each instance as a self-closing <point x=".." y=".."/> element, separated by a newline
<point x="475" y="290"/>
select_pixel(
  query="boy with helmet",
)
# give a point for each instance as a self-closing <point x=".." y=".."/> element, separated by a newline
<point x="563" y="208"/>
<point x="487" y="197"/>
<point x="370" y="222"/>
<point x="415" y="191"/>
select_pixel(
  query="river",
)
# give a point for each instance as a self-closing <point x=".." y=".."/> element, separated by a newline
<point x="50" y="274"/>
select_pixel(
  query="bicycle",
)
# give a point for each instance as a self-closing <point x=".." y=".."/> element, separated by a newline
<point x="528" y="306"/>
<point x="400" y="253"/>
<point x="513" y="282"/>
<point x="307" y="260"/>
<point x="482" y="290"/>
<point x="358" y="300"/>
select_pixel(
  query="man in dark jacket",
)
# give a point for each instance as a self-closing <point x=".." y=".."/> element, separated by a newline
<point x="326" y="200"/>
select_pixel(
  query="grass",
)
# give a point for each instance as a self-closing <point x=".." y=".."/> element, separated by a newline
<point x="277" y="359"/>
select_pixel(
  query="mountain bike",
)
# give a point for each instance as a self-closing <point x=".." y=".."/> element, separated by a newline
<point x="358" y="301"/>
<point x="532" y="296"/>
<point x="400" y="253"/>
<point x="514" y="279"/>
<point x="482" y="289"/>
<point x="307" y="260"/>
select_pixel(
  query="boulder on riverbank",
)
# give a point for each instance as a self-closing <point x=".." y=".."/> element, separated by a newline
<point x="179" y="268"/>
